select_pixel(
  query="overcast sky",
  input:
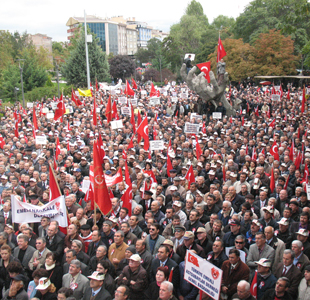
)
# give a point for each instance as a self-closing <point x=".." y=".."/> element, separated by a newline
<point x="50" y="17"/>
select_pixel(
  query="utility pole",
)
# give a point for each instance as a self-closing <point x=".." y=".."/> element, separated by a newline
<point x="21" y="77"/>
<point x="57" y="79"/>
<point x="86" y="50"/>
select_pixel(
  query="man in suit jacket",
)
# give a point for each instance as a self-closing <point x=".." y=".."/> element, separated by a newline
<point x="234" y="270"/>
<point x="259" y="250"/>
<point x="164" y="260"/>
<point x="54" y="242"/>
<point x="5" y="216"/>
<point x="23" y="252"/>
<point x="38" y="258"/>
<point x="289" y="270"/>
<point x="96" y="242"/>
<point x="45" y="222"/>
<point x="300" y="260"/>
<point x="44" y="183"/>
<point x="96" y="288"/>
<point x="75" y="280"/>
<point x="70" y="256"/>
<point x="155" y="236"/>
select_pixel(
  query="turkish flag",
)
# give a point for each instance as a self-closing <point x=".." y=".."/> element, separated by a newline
<point x="128" y="90"/>
<point x="286" y="182"/>
<point x="253" y="289"/>
<point x="303" y="100"/>
<point x="254" y="156"/>
<point x="190" y="176"/>
<point x="34" y="119"/>
<point x="274" y="151"/>
<point x="2" y="142"/>
<point x="24" y="198"/>
<point x="114" y="111"/>
<point x="193" y="259"/>
<point x="220" y="50"/>
<point x="130" y="145"/>
<point x="153" y="91"/>
<point x="205" y="68"/>
<point x="204" y="129"/>
<point x="95" y="113"/>
<point x="298" y="160"/>
<point x="230" y="120"/>
<point x="75" y="98"/>
<point x="143" y="130"/>
<point x="306" y="174"/>
<point x="256" y="111"/>
<point x="127" y="197"/>
<point x="288" y="96"/>
<point x="139" y="122"/>
<point x="272" y="123"/>
<point x="101" y="193"/>
<point x="272" y="181"/>
<point x="198" y="149"/>
<point x="224" y="173"/>
<point x="292" y="151"/>
<point x="54" y="164"/>
<point x="57" y="148"/>
<point x="169" y="165"/>
<point x="53" y="184"/>
<point x="100" y="147"/>
<point x="108" y="110"/>
<point x="124" y="155"/>
<point x="60" y="110"/>
<point x="134" y="85"/>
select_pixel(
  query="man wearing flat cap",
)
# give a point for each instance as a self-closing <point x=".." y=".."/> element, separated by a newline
<point x="189" y="244"/>
<point x="147" y="201"/>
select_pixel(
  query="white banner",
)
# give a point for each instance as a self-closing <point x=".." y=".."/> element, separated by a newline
<point x="154" y="101"/>
<point x="191" y="128"/>
<point x="30" y="104"/>
<point x="125" y="110"/>
<point x="203" y="275"/>
<point x="55" y="210"/>
<point x="275" y="97"/>
<point x="157" y="145"/>
<point x="122" y="100"/>
<point x="50" y="116"/>
<point x="174" y="99"/>
<point x="217" y="115"/>
<point x="197" y="117"/>
<point x="134" y="101"/>
<point x="41" y="140"/>
<point x="116" y="124"/>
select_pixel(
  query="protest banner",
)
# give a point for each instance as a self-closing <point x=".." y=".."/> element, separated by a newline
<point x="41" y="140"/>
<point x="275" y="97"/>
<point x="116" y="124"/>
<point x="125" y="110"/>
<point x="113" y="92"/>
<point x="30" y="104"/>
<point x="157" y="145"/>
<point x="85" y="185"/>
<point x="143" y="92"/>
<point x="174" y="94"/>
<point x="45" y="110"/>
<point x="54" y="105"/>
<point x="203" y="275"/>
<point x="217" y="115"/>
<point x="122" y="100"/>
<point x="197" y="117"/>
<point x="308" y="190"/>
<point x="111" y="180"/>
<point x="183" y="96"/>
<point x="191" y="128"/>
<point x="134" y="101"/>
<point x="55" y="210"/>
<point x="154" y="101"/>
<point x="174" y="99"/>
<point x="50" y="116"/>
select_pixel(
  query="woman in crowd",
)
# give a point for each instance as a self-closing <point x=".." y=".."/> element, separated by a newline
<point x="54" y="271"/>
<point x="152" y="292"/>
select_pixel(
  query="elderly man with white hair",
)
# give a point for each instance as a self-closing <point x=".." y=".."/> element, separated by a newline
<point x="166" y="290"/>
<point x="300" y="260"/>
<point x="243" y="291"/>
<point x="226" y="213"/>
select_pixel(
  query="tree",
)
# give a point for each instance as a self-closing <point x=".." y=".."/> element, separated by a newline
<point x="74" y="68"/>
<point x="151" y="74"/>
<point x="6" y="49"/>
<point x="121" y="63"/>
<point x="240" y="61"/>
<point x="60" y="52"/>
<point x="291" y="17"/>
<point x="185" y="36"/>
<point x="274" y="54"/>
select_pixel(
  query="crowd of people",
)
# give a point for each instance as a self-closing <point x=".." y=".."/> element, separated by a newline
<point x="247" y="212"/>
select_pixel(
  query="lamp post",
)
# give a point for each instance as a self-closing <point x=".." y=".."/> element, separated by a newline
<point x="161" y="79"/>
<point x="16" y="89"/>
<point x="124" y="75"/>
<point x="56" y="64"/>
<point x="21" y="65"/>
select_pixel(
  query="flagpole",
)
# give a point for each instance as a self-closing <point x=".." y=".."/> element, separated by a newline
<point x="86" y="50"/>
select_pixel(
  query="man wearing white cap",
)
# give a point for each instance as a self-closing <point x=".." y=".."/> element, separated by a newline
<point x="268" y="219"/>
<point x="96" y="289"/>
<point x="265" y="279"/>
<point x="135" y="277"/>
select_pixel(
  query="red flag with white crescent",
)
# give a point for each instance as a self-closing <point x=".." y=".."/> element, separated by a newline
<point x="274" y="151"/>
<point x="190" y="176"/>
<point x="220" y="50"/>
<point x="205" y="68"/>
<point x="253" y="288"/>
<point x="143" y="130"/>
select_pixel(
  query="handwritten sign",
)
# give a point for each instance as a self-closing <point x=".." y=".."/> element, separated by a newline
<point x="217" y="115"/>
<point x="275" y="97"/>
<point x="157" y="145"/>
<point x="30" y="104"/>
<point x="122" y="100"/>
<point x="116" y="124"/>
<point x="125" y="110"/>
<point x="191" y="128"/>
<point x="41" y="140"/>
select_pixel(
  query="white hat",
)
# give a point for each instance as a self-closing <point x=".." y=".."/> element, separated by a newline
<point x="97" y="276"/>
<point x="284" y="221"/>
<point x="44" y="283"/>
<point x="135" y="257"/>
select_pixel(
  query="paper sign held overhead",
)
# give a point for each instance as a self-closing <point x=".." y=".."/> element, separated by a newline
<point x="125" y="110"/>
<point x="122" y="100"/>
<point x="41" y="140"/>
<point x="30" y="104"/>
<point x="157" y="145"/>
<point x="217" y="115"/>
<point x="191" y="128"/>
<point x="116" y="124"/>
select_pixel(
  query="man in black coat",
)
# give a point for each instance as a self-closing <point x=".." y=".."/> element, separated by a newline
<point x="96" y="288"/>
<point x="96" y="242"/>
<point x="280" y="291"/>
<point x="54" y="242"/>
<point x="193" y="223"/>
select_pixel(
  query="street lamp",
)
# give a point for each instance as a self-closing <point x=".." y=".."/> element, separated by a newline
<point x="16" y="89"/>
<point x="124" y="75"/>
<point x="21" y="65"/>
<point x="57" y="78"/>
<point x="161" y="79"/>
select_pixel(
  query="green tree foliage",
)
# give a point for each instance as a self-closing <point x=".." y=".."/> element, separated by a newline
<point x="121" y="63"/>
<point x="6" y="49"/>
<point x="291" y="17"/>
<point x="185" y="36"/>
<point x="60" y="52"/>
<point x="74" y="68"/>
<point x="210" y="37"/>
<point x="151" y="74"/>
